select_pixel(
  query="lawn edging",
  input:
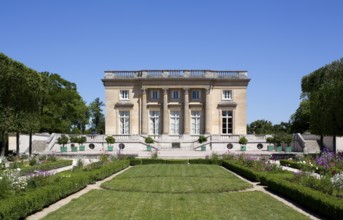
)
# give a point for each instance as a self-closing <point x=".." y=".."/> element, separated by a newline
<point x="20" y="206"/>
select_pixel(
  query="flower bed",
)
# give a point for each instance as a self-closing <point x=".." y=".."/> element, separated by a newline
<point x="66" y="183"/>
<point x="46" y="166"/>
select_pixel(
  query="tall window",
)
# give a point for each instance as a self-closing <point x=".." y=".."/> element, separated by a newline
<point x="124" y="95"/>
<point x="175" y="122"/>
<point x="226" y="122"/>
<point x="175" y="94"/>
<point x="155" y="94"/>
<point x="196" y="94"/>
<point x="154" y="122"/>
<point x="124" y="122"/>
<point x="195" y="122"/>
<point x="227" y="95"/>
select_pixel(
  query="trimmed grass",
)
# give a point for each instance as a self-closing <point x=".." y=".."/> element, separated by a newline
<point x="102" y="204"/>
<point x="176" y="179"/>
<point x="202" y="197"/>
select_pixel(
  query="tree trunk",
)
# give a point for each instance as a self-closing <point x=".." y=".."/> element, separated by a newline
<point x="30" y="144"/>
<point x="3" y="143"/>
<point x="321" y="143"/>
<point x="17" y="144"/>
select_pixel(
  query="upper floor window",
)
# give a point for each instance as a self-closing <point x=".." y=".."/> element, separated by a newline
<point x="227" y="95"/>
<point x="175" y="94"/>
<point x="196" y="94"/>
<point x="124" y="95"/>
<point x="155" y="94"/>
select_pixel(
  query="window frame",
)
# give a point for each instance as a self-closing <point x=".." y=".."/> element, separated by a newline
<point x="196" y="91"/>
<point x="121" y="94"/>
<point x="224" y="96"/>
<point x="173" y="92"/>
<point x="124" y="128"/>
<point x="152" y="94"/>
<point x="228" y="119"/>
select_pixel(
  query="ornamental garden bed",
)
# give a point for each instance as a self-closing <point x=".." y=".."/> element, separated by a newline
<point x="33" y="194"/>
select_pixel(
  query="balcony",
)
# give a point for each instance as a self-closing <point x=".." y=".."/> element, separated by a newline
<point x="141" y="74"/>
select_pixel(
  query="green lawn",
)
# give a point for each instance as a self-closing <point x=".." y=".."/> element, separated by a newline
<point x="176" y="179"/>
<point x="205" y="195"/>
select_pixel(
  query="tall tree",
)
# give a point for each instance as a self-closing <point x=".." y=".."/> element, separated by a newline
<point x="97" y="117"/>
<point x="63" y="109"/>
<point x="324" y="88"/>
<point x="260" y="127"/>
<point x="300" y="120"/>
<point x="21" y="92"/>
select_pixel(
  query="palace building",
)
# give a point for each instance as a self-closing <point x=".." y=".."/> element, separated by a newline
<point x="175" y="103"/>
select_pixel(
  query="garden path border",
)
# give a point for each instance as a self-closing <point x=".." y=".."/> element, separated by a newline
<point x="256" y="187"/>
<point x="53" y="207"/>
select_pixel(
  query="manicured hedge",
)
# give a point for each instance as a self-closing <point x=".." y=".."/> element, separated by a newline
<point x="314" y="200"/>
<point x="153" y="161"/>
<point x="134" y="162"/>
<point x="18" y="207"/>
<point x="241" y="170"/>
<point x="46" y="166"/>
<point x="177" y="162"/>
<point x="200" y="161"/>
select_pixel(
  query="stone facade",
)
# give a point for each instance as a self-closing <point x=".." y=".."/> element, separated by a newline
<point x="175" y="102"/>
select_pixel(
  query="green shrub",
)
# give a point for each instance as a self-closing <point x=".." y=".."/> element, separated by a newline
<point x="314" y="200"/>
<point x="243" y="141"/>
<point x="46" y="166"/>
<point x="176" y="161"/>
<point x="134" y="162"/>
<point x="18" y="207"/>
<point x="200" y="161"/>
<point x="149" y="140"/>
<point x="241" y="170"/>
<point x="202" y="139"/>
<point x="153" y="161"/>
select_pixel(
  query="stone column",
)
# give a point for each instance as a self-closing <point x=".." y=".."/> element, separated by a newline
<point x="165" y="112"/>
<point x="144" y="122"/>
<point x="186" y="112"/>
<point x="208" y="112"/>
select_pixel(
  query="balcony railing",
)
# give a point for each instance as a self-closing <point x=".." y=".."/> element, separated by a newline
<point x="176" y="74"/>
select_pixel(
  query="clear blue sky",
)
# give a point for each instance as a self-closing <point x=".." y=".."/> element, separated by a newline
<point x="278" y="42"/>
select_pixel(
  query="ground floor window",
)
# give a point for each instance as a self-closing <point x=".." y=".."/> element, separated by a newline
<point x="124" y="122"/>
<point x="226" y="122"/>
<point x="196" y="122"/>
<point x="154" y="122"/>
<point x="175" y="122"/>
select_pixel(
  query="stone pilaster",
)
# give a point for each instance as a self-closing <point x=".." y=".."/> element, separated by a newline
<point x="186" y="112"/>
<point x="144" y="122"/>
<point x="165" y="112"/>
<point x="208" y="112"/>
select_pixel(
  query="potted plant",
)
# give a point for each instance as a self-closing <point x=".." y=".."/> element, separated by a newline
<point x="202" y="139"/>
<point x="73" y="140"/>
<point x="278" y="140"/>
<point x="81" y="141"/>
<point x="62" y="141"/>
<point x="288" y="139"/>
<point x="243" y="141"/>
<point x="110" y="140"/>
<point x="149" y="140"/>
<point x="270" y="141"/>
